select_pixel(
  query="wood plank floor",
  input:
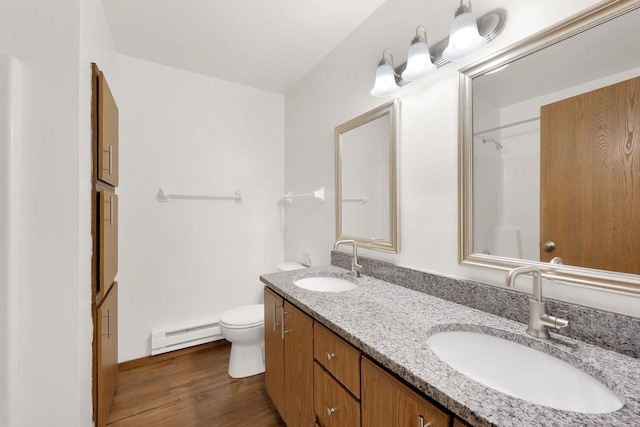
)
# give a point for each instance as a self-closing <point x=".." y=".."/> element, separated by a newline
<point x="191" y="390"/>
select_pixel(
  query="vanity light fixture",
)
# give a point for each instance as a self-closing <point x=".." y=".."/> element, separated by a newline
<point x="464" y="37"/>
<point x="467" y="36"/>
<point x="419" y="63"/>
<point x="385" y="83"/>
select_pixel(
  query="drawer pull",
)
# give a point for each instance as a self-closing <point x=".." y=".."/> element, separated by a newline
<point x="111" y="209"/>
<point x="275" y="319"/>
<point x="421" y="422"/>
<point x="110" y="167"/>
<point x="330" y="356"/>
<point x="330" y="411"/>
<point x="108" y="316"/>
<point x="282" y="331"/>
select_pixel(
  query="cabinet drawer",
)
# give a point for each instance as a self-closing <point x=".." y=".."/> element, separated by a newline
<point x="334" y="406"/>
<point x="338" y="357"/>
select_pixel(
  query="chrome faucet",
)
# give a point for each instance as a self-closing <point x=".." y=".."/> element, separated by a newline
<point x="355" y="267"/>
<point x="539" y="320"/>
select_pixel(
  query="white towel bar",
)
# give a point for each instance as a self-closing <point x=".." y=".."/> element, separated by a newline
<point x="318" y="194"/>
<point x="163" y="196"/>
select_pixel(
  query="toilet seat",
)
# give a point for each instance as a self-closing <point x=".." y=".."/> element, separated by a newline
<point x="247" y="316"/>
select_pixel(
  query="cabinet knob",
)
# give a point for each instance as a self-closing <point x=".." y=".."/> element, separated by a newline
<point x="549" y="246"/>
<point x="330" y="411"/>
<point x="330" y="356"/>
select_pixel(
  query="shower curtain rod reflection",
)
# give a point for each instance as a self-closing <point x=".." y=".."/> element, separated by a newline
<point x="509" y="125"/>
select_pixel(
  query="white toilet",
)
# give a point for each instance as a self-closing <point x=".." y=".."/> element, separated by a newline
<point x="243" y="327"/>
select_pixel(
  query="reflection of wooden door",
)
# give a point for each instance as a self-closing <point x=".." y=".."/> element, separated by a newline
<point x="590" y="178"/>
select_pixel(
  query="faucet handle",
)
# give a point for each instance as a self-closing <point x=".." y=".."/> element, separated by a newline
<point x="554" y="322"/>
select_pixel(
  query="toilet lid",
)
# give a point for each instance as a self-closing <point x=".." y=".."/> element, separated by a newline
<point x="246" y="316"/>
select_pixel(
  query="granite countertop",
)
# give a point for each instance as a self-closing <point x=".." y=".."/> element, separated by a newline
<point x="391" y="324"/>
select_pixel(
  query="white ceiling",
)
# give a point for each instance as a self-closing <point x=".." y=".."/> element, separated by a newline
<point x="266" y="44"/>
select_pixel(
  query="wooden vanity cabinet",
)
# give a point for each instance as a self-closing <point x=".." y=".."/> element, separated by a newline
<point x="289" y="360"/>
<point x="388" y="402"/>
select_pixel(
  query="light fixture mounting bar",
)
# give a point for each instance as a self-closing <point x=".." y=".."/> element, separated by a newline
<point x="490" y="26"/>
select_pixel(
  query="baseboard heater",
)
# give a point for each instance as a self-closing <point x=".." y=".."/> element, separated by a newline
<point x="166" y="341"/>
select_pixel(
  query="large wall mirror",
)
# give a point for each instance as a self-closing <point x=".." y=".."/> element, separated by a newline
<point x="366" y="176"/>
<point x="550" y="152"/>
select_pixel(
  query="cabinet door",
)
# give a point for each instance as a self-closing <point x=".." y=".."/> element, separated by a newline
<point x="274" y="349"/>
<point x="334" y="406"/>
<point x="107" y="338"/>
<point x="457" y="422"/>
<point x="108" y="240"/>
<point x="387" y="402"/>
<point x="107" y="134"/>
<point x="298" y="373"/>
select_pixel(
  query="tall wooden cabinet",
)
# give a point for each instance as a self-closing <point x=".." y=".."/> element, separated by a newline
<point x="289" y="360"/>
<point x="104" y="230"/>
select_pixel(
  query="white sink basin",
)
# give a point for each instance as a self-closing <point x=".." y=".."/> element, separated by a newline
<point x="325" y="284"/>
<point x="523" y="372"/>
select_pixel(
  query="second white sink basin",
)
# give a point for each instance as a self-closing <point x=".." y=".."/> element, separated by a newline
<point x="325" y="284"/>
<point x="523" y="372"/>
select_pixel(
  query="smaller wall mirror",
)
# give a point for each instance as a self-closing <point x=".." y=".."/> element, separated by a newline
<point x="366" y="177"/>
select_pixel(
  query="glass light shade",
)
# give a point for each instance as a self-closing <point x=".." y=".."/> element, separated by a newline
<point x="464" y="38"/>
<point x="385" y="81"/>
<point x="419" y="63"/>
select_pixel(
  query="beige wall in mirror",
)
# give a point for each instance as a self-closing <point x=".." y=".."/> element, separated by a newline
<point x="550" y="152"/>
<point x="366" y="201"/>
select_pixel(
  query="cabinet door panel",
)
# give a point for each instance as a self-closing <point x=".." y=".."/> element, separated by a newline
<point x="274" y="350"/>
<point x="388" y="402"/>
<point x="107" y="331"/>
<point x="107" y="134"/>
<point x="298" y="373"/>
<point x="334" y="406"/>
<point x="108" y="240"/>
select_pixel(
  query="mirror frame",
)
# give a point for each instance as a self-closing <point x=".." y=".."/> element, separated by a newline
<point x="591" y="17"/>
<point x="392" y="109"/>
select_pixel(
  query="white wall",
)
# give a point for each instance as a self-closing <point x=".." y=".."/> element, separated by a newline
<point x="338" y="90"/>
<point x="52" y="311"/>
<point x="9" y="227"/>
<point x="187" y="261"/>
<point x="44" y="38"/>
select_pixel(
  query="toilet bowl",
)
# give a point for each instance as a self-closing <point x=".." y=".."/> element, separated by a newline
<point x="243" y="327"/>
